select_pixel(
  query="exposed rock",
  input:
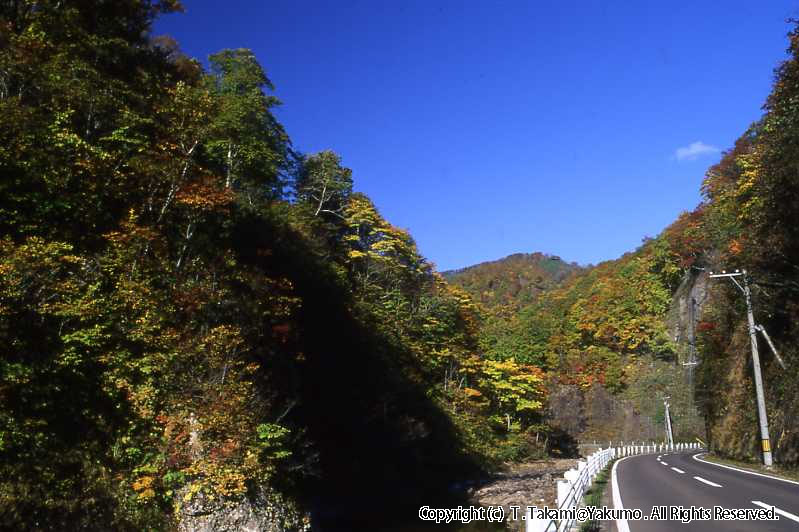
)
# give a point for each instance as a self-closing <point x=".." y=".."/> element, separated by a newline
<point x="567" y="409"/>
<point x="595" y="414"/>
<point x="263" y="513"/>
<point x="686" y="308"/>
<point x="523" y="485"/>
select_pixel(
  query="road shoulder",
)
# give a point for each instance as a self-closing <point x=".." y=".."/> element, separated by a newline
<point x="702" y="457"/>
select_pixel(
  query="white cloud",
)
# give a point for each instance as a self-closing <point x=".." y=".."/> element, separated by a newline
<point x="694" y="150"/>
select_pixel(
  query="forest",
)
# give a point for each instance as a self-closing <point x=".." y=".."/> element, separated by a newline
<point x="195" y="315"/>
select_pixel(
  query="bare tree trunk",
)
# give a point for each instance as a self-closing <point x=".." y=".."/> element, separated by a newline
<point x="229" y="179"/>
<point x="173" y="187"/>
<point x="321" y="200"/>
<point x="189" y="234"/>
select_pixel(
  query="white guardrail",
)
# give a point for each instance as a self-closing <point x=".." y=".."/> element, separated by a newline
<point x="577" y="481"/>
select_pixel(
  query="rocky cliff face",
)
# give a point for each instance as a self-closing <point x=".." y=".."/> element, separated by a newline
<point x="686" y="309"/>
<point x="594" y="414"/>
<point x="724" y="382"/>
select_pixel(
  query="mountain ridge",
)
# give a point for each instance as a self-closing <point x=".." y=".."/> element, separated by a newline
<point x="515" y="279"/>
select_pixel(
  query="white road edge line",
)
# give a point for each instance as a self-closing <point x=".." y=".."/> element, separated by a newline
<point x="664" y="463"/>
<point x="789" y="515"/>
<point x="621" y="524"/>
<point x="695" y="457"/>
<point x="700" y="479"/>
<point x="678" y="470"/>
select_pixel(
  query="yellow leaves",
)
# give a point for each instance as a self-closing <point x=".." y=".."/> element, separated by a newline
<point x="355" y="254"/>
<point x="371" y="239"/>
<point x="510" y="385"/>
<point x="431" y="322"/>
<point x="40" y="276"/>
<point x="194" y="489"/>
<point x="230" y="484"/>
<point x="223" y="338"/>
<point x="471" y="392"/>
<point x="528" y="405"/>
<point x="215" y="480"/>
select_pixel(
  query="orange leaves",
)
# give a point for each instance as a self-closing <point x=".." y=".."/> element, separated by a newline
<point x="471" y="392"/>
<point x="205" y="196"/>
<point x="688" y="236"/>
<point x="143" y="486"/>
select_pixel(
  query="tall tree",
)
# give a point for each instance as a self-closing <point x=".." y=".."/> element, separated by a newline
<point x="250" y="144"/>
<point x="323" y="183"/>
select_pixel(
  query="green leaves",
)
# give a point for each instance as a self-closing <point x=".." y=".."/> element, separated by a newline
<point x="248" y="143"/>
<point x="326" y="186"/>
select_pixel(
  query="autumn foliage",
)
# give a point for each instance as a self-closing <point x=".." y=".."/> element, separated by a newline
<point x="190" y="310"/>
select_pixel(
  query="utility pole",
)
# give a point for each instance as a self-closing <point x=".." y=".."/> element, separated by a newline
<point x="761" y="400"/>
<point x="669" y="435"/>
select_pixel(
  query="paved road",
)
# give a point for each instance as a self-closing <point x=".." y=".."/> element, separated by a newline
<point x="679" y="479"/>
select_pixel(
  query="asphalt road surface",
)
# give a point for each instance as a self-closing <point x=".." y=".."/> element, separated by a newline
<point x="680" y="479"/>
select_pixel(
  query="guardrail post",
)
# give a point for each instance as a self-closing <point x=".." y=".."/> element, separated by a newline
<point x="563" y="491"/>
<point x="575" y="483"/>
<point x="581" y="464"/>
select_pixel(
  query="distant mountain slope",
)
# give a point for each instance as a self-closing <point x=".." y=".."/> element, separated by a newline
<point x="602" y="334"/>
<point x="514" y="280"/>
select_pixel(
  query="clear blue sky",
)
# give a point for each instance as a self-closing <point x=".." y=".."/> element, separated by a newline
<point x="488" y="128"/>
